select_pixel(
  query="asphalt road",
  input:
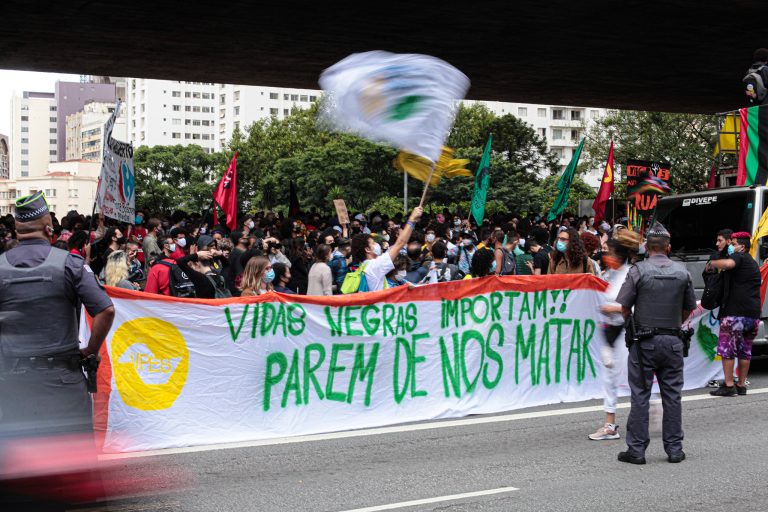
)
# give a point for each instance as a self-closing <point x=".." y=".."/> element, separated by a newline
<point x="548" y="460"/>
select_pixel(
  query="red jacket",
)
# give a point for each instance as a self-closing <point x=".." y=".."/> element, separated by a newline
<point x="159" y="278"/>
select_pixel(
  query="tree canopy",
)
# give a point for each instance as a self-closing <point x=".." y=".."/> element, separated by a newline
<point x="325" y="165"/>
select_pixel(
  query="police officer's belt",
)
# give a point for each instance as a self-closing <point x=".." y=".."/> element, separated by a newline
<point x="649" y="332"/>
<point x="40" y="363"/>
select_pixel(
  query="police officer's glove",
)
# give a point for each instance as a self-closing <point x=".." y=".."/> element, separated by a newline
<point x="606" y="354"/>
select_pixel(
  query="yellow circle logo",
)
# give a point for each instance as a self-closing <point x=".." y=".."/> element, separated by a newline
<point x="150" y="361"/>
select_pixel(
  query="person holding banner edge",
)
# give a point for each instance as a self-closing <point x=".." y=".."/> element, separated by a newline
<point x="365" y="249"/>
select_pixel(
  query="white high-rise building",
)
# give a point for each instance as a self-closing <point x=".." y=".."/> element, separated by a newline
<point x="166" y="112"/>
<point x="33" y="133"/>
<point x="239" y="106"/>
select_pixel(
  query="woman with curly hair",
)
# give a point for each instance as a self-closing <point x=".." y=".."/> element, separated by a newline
<point x="569" y="256"/>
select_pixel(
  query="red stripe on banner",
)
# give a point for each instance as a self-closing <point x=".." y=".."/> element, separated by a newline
<point x="432" y="292"/>
<point x="741" y="170"/>
<point x="104" y="391"/>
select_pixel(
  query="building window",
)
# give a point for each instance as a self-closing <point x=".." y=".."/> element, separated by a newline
<point x="207" y="96"/>
<point x="237" y="95"/>
<point x="187" y="135"/>
<point x="207" y="110"/>
<point x="206" y="122"/>
<point x="175" y="121"/>
<point x="187" y="94"/>
<point x="25" y="162"/>
<point x="52" y="108"/>
<point x="594" y="114"/>
<point x="73" y="192"/>
<point x="574" y="135"/>
<point x="50" y="192"/>
<point x="285" y="111"/>
<point x="177" y="108"/>
<point x="25" y="118"/>
<point x="188" y="122"/>
<point x="51" y="141"/>
<point x="52" y="152"/>
<point x="196" y="108"/>
<point x="176" y="94"/>
<point x="273" y="111"/>
<point x="303" y="98"/>
<point x="237" y="111"/>
<point x="557" y="133"/>
<point x="273" y="96"/>
<point x="294" y="97"/>
<point x="222" y="99"/>
<point x="187" y="108"/>
<point x="206" y="136"/>
<point x="25" y="140"/>
<point x="522" y="111"/>
<point x="175" y="135"/>
<point x="24" y="129"/>
<point x="312" y="98"/>
<point x="196" y="95"/>
<point x="52" y="119"/>
<point x="558" y="114"/>
<point x="195" y="136"/>
<point x="542" y="112"/>
<point x="24" y="151"/>
<point x="237" y="125"/>
<point x="51" y="130"/>
<point x="543" y="132"/>
<point x="575" y="115"/>
<point x="286" y="97"/>
<point x="195" y="122"/>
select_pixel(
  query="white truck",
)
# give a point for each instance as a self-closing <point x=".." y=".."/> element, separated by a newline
<point x="694" y="219"/>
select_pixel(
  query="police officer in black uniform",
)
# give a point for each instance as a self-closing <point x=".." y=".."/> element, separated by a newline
<point x="662" y="294"/>
<point x="42" y="385"/>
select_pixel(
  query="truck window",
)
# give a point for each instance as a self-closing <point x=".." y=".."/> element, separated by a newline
<point x="693" y="222"/>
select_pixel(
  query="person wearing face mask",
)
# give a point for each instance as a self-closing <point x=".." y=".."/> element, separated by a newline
<point x="282" y="276"/>
<point x="466" y="251"/>
<point x="320" y="278"/>
<point x="179" y="236"/>
<point x="202" y="269"/>
<point x="429" y="238"/>
<point x="159" y="277"/>
<point x="739" y="312"/>
<point x="622" y="248"/>
<point x="377" y="264"/>
<point x="396" y="276"/>
<point x="339" y="263"/>
<point x="257" y="277"/>
<point x="415" y="270"/>
<point x="570" y="256"/>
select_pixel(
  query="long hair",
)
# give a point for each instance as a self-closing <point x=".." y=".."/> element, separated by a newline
<point x="253" y="275"/>
<point x="116" y="269"/>
<point x="575" y="253"/>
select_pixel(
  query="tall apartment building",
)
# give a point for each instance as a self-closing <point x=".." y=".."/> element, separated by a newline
<point x="5" y="158"/>
<point x="71" y="97"/>
<point x="165" y="112"/>
<point x="34" y="131"/>
<point x="239" y="106"/>
<point x="84" y="132"/>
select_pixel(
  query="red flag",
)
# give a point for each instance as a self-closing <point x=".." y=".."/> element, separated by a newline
<point x="225" y="194"/>
<point x="606" y="188"/>
<point x="712" y="176"/>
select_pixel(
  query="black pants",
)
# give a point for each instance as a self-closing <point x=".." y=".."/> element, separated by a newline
<point x="662" y="355"/>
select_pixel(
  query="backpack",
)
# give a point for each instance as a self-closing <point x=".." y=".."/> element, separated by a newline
<point x="219" y="285"/>
<point x="714" y="289"/>
<point x="755" y="84"/>
<point x="180" y="283"/>
<point x="355" y="281"/>
<point x="508" y="263"/>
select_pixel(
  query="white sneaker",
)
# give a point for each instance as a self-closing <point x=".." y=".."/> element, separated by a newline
<point x="606" y="432"/>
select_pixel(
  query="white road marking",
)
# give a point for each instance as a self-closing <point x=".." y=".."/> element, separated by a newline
<point x="464" y="422"/>
<point x="438" y="499"/>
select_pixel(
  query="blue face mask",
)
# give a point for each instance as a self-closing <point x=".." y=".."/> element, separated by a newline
<point x="731" y="250"/>
<point x="561" y="246"/>
<point x="138" y="220"/>
<point x="269" y="276"/>
<point x="493" y="267"/>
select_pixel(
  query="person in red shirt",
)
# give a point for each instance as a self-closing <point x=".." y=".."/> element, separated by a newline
<point x="179" y="236"/>
<point x="159" y="278"/>
<point x="137" y="234"/>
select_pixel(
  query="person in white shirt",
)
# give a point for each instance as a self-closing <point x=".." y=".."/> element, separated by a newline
<point x="320" y="278"/>
<point x="377" y="264"/>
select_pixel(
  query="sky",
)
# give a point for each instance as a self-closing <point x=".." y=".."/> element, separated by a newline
<point x="19" y="81"/>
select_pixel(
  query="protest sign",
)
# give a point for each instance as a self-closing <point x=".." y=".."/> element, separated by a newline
<point x="341" y="211"/>
<point x="180" y="372"/>
<point x="116" y="194"/>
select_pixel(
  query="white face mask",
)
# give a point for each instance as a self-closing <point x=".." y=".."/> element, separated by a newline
<point x="386" y="237"/>
<point x="171" y="247"/>
<point x="182" y="242"/>
<point x="251" y="224"/>
<point x="377" y="250"/>
<point x="402" y="273"/>
<point x="457" y="222"/>
<point x="430" y="238"/>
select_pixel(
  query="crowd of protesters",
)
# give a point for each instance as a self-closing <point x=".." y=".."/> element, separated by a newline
<point x="191" y="256"/>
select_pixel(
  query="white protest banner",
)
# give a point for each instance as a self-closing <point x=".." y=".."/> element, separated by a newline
<point x="116" y="195"/>
<point x="180" y="372"/>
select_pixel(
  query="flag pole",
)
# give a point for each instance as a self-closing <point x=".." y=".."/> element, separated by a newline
<point x="426" y="186"/>
<point x="405" y="193"/>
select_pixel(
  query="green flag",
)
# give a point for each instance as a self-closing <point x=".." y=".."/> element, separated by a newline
<point x="564" y="185"/>
<point x="482" y="182"/>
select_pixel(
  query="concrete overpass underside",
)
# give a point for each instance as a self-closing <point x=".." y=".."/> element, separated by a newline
<point x="680" y="56"/>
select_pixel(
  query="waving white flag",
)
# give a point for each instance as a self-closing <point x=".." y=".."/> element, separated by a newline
<point x="406" y="100"/>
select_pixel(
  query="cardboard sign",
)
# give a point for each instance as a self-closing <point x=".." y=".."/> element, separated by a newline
<point x="341" y="211"/>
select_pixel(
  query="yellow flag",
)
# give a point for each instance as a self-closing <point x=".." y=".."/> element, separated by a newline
<point x="420" y="167"/>
<point x="762" y="230"/>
